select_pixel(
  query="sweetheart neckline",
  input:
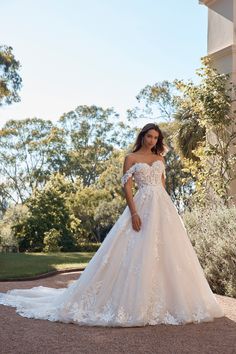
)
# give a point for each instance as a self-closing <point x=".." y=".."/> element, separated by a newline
<point x="130" y="171"/>
<point x="145" y="163"/>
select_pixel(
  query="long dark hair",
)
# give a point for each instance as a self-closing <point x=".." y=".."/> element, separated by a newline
<point x="159" y="148"/>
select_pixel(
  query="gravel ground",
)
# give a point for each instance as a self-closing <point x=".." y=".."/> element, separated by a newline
<point x="21" y="335"/>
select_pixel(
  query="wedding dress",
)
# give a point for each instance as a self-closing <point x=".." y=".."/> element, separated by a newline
<point x="135" y="278"/>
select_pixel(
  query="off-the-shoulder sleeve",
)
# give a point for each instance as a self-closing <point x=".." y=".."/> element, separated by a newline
<point x="127" y="175"/>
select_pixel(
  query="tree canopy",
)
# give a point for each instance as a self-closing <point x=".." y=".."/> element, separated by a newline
<point x="10" y="80"/>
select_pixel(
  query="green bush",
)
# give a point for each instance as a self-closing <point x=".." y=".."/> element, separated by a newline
<point x="51" y="241"/>
<point x="88" y="247"/>
<point x="47" y="210"/>
<point x="213" y="234"/>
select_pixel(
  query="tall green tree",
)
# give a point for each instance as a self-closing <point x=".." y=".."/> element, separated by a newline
<point x="157" y="101"/>
<point x="24" y="156"/>
<point x="91" y="133"/>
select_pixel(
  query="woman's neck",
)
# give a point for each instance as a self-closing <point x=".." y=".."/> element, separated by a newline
<point x="145" y="151"/>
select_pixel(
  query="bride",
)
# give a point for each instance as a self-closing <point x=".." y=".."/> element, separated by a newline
<point x="145" y="272"/>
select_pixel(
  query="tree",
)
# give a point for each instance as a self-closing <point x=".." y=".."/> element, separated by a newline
<point x="91" y="133"/>
<point x="10" y="80"/>
<point x="83" y="210"/>
<point x="155" y="101"/>
<point x="189" y="133"/>
<point x="212" y="160"/>
<point x="47" y="210"/>
<point x="26" y="159"/>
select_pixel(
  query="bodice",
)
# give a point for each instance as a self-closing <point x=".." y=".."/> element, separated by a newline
<point x="145" y="174"/>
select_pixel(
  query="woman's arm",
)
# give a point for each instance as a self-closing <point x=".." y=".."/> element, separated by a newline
<point x="128" y="185"/>
<point x="136" y="221"/>
<point x="163" y="180"/>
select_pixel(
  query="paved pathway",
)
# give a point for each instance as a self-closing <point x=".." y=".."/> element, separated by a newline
<point x="19" y="335"/>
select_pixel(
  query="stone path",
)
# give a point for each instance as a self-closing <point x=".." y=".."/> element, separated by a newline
<point x="19" y="335"/>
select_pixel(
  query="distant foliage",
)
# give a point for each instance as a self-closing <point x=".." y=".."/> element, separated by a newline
<point x="77" y="146"/>
<point x="213" y="235"/>
<point x="10" y="80"/>
<point x="25" y="157"/>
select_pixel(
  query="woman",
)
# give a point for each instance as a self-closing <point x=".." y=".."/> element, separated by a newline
<point x="145" y="272"/>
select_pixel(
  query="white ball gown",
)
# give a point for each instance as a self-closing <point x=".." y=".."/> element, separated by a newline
<point x="135" y="278"/>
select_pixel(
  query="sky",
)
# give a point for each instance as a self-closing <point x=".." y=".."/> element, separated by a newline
<point x="98" y="52"/>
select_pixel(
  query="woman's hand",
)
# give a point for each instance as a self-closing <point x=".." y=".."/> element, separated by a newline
<point x="136" y="222"/>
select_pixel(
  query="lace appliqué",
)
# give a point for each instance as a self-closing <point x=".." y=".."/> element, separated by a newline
<point x="118" y="316"/>
<point x="127" y="175"/>
<point x="145" y="174"/>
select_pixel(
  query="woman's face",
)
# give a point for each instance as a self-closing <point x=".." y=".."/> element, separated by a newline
<point x="150" y="138"/>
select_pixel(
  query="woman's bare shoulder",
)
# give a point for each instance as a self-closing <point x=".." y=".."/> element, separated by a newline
<point x="130" y="156"/>
<point x="129" y="159"/>
<point x="128" y="162"/>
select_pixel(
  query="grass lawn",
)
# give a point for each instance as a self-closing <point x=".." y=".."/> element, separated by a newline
<point x="17" y="265"/>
